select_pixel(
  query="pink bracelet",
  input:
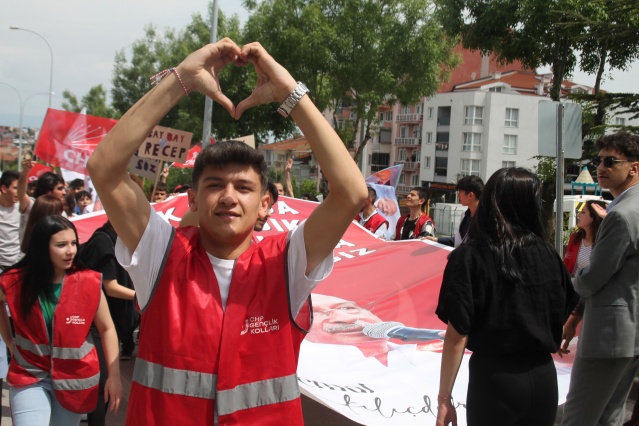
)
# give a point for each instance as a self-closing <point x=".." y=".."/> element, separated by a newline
<point x="159" y="76"/>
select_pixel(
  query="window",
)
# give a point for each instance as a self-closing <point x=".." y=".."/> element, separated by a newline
<point x="389" y="115"/>
<point x="405" y="109"/>
<point x="380" y="159"/>
<point x="510" y="144"/>
<point x="441" y="166"/>
<point x="429" y="137"/>
<point x="619" y="121"/>
<point x="507" y="164"/>
<point x="414" y="180"/>
<point x="419" y="108"/>
<point x="381" y="116"/>
<point x="403" y="132"/>
<point x="498" y="89"/>
<point x="280" y="157"/>
<point x="470" y="167"/>
<point x="417" y="132"/>
<point x="427" y="162"/>
<point x="472" y="142"/>
<point x="340" y="124"/>
<point x="430" y="113"/>
<point x="473" y="115"/>
<point x="512" y="117"/>
<point x="402" y="155"/>
<point x="402" y="179"/>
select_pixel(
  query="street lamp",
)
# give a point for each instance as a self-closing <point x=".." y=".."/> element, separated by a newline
<point x="22" y="105"/>
<point x="13" y="27"/>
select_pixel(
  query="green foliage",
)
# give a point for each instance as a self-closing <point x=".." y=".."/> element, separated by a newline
<point x="156" y="52"/>
<point x="94" y="101"/>
<point x="308" y="188"/>
<point x="360" y="53"/>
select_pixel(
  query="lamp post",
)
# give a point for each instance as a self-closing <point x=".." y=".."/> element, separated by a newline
<point x="13" y="27"/>
<point x="208" y="102"/>
<point x="22" y="105"/>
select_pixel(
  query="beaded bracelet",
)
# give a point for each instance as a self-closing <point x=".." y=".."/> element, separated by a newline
<point x="159" y="76"/>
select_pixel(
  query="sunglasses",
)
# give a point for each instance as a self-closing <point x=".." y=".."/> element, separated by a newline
<point x="608" y="162"/>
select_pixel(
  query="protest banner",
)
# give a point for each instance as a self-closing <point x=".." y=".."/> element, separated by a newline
<point x="38" y="170"/>
<point x="145" y="167"/>
<point x="374" y="283"/>
<point x="67" y="139"/>
<point x="166" y="144"/>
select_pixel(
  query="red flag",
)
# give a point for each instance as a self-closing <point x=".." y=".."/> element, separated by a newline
<point x="211" y="140"/>
<point x="190" y="158"/>
<point x="67" y="139"/>
<point x="37" y="171"/>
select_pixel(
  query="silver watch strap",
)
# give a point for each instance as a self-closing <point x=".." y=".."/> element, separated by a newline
<point x="293" y="99"/>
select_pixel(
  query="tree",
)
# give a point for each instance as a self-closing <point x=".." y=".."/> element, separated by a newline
<point x="531" y="31"/>
<point x="156" y="52"/>
<point x="94" y="101"/>
<point x="357" y="54"/>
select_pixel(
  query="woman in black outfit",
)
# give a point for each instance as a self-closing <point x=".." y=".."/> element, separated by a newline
<point x="505" y="295"/>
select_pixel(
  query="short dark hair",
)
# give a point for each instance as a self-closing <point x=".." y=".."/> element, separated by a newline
<point x="372" y="194"/>
<point x="623" y="142"/>
<point x="81" y="194"/>
<point x="8" y="178"/>
<point x="47" y="183"/>
<point x="161" y="186"/>
<point x="272" y="189"/>
<point x="76" y="183"/>
<point x="472" y="184"/>
<point x="422" y="193"/>
<point x="221" y="154"/>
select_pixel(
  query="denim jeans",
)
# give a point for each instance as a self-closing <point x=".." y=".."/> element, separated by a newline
<point x="36" y="405"/>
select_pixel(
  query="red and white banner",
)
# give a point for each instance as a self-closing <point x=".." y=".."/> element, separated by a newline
<point x="38" y="170"/>
<point x="67" y="139"/>
<point x="375" y="287"/>
<point x="190" y="159"/>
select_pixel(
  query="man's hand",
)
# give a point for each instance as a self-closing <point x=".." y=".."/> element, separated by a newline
<point x="274" y="82"/>
<point x="200" y="70"/>
<point x="164" y="175"/>
<point x="430" y="238"/>
<point x="601" y="212"/>
<point x="27" y="164"/>
<point x="570" y="330"/>
<point x="289" y="166"/>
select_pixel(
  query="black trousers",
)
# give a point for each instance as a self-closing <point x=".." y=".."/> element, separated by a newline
<point x="512" y="390"/>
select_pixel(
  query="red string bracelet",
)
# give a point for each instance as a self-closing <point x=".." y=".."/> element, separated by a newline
<point x="159" y="76"/>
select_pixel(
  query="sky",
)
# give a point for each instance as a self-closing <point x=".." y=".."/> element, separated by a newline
<point x="85" y="35"/>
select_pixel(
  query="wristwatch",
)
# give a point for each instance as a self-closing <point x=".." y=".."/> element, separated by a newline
<point x="292" y="100"/>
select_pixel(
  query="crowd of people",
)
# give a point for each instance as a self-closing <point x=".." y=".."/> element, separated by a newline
<point x="197" y="290"/>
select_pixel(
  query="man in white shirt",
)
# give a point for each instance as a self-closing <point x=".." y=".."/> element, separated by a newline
<point x="229" y="195"/>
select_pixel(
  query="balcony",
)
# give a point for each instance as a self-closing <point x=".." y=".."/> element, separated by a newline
<point x="403" y="189"/>
<point x="408" y="165"/>
<point x="441" y="146"/>
<point x="378" y="167"/>
<point x="408" y="141"/>
<point x="409" y="118"/>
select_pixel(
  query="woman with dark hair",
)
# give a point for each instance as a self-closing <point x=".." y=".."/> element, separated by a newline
<point x="45" y="205"/>
<point x="505" y="296"/>
<point x="577" y="254"/>
<point x="54" y="369"/>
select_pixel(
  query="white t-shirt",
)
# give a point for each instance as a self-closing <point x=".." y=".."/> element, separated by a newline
<point x="145" y="262"/>
<point x="10" y="235"/>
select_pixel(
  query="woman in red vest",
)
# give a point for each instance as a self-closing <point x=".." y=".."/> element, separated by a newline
<point x="54" y="371"/>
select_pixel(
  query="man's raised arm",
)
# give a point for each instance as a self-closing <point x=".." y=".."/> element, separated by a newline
<point x="124" y="201"/>
<point x="329" y="221"/>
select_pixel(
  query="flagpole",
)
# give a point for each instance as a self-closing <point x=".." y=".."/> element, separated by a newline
<point x="157" y="179"/>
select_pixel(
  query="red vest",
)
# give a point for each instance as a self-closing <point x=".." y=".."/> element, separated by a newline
<point x="572" y="251"/>
<point x="374" y="222"/>
<point x="418" y="225"/>
<point x="71" y="360"/>
<point x="193" y="357"/>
